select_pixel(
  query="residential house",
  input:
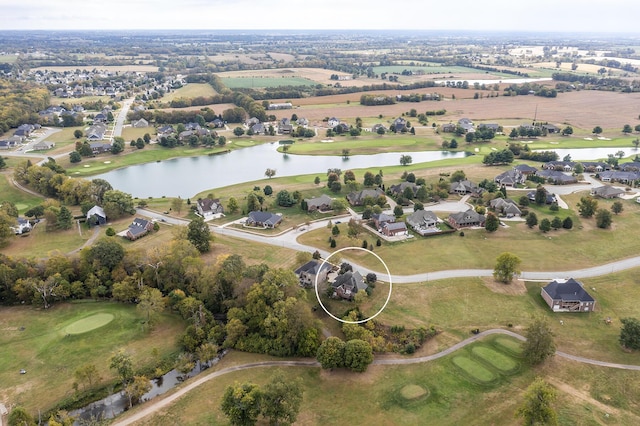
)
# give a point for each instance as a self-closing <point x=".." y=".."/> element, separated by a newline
<point x="565" y="166"/>
<point x="321" y="203"/>
<point x="550" y="128"/>
<point x="100" y="147"/>
<point x="607" y="192"/>
<point x="258" y="129"/>
<point x="618" y="176"/>
<point x="505" y="207"/>
<point x="511" y="177"/>
<point x="22" y="226"/>
<point x="165" y="131"/>
<point x="629" y="167"/>
<point x="377" y="127"/>
<point x="357" y="198"/>
<point x="302" y="122"/>
<point x="391" y="229"/>
<point x="347" y="285"/>
<point x="210" y="208"/>
<point x="138" y="228"/>
<point x="595" y="166"/>
<point x="333" y="122"/>
<point x="448" y="128"/>
<point x="380" y="219"/>
<point x="4" y="144"/>
<point x="400" y="188"/>
<point x="526" y="170"/>
<point x="96" y="216"/>
<point x="556" y="177"/>
<point x="311" y="271"/>
<point x="42" y="145"/>
<point x="217" y="123"/>
<point x="250" y="122"/>
<point x="285" y="127"/>
<point x="567" y="296"/>
<point x="491" y="126"/>
<point x="100" y="117"/>
<point x="549" y="197"/>
<point x="263" y="219"/>
<point x="140" y="123"/>
<point x="192" y="125"/>
<point x="464" y="187"/>
<point x="96" y="132"/>
<point x="467" y="125"/>
<point x="423" y="221"/>
<point x="399" y="124"/>
<point x="466" y="219"/>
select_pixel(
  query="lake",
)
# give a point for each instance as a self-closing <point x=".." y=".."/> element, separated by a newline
<point x="188" y="176"/>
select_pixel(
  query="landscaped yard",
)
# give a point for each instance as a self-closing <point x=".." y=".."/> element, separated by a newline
<point x="50" y="345"/>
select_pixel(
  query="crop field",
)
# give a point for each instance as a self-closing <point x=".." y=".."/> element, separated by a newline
<point x="259" y="82"/>
<point x="8" y="59"/>
<point x="189" y="91"/>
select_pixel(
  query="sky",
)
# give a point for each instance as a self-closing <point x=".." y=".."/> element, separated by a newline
<point x="485" y="15"/>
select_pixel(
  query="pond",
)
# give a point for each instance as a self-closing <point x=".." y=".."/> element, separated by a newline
<point x="117" y="403"/>
<point x="187" y="176"/>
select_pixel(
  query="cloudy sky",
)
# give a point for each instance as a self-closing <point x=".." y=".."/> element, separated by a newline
<point x="499" y="15"/>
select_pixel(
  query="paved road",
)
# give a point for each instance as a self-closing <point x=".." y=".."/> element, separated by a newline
<point x="122" y="116"/>
<point x="158" y="404"/>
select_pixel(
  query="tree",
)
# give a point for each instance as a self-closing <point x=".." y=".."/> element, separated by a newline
<point x="77" y="133"/>
<point x="87" y="374"/>
<point x="556" y="223"/>
<point x="117" y="203"/>
<point x="281" y="400"/>
<point x="537" y="406"/>
<point x="358" y="354"/>
<point x="238" y="131"/>
<point x="397" y="211"/>
<point x="140" y="143"/>
<point x="405" y="160"/>
<point x="567" y="131"/>
<point x="335" y="230"/>
<point x="349" y="176"/>
<point x="176" y="204"/>
<point x="541" y="195"/>
<point x="369" y="179"/>
<point x="336" y="187"/>
<point x="139" y="386"/>
<point x="507" y="267"/>
<point x="492" y="222"/>
<point x="539" y="344"/>
<point x="531" y="220"/>
<point x="122" y="363"/>
<point x="317" y="180"/>
<point x="458" y="176"/>
<point x="74" y="157"/>
<point x="199" y="235"/>
<point x="268" y="190"/>
<point x="253" y="203"/>
<point x="241" y="404"/>
<point x="232" y="205"/>
<point x="545" y="225"/>
<point x="20" y="417"/>
<point x="617" y="207"/>
<point x="65" y="218"/>
<point x="3" y="163"/>
<point x="603" y="218"/>
<point x="567" y="223"/>
<point x="270" y="173"/>
<point x="626" y="129"/>
<point x="587" y="206"/>
<point x="630" y="333"/>
<point x="151" y="304"/>
<point x="381" y="131"/>
<point x="206" y="353"/>
<point x="597" y="130"/>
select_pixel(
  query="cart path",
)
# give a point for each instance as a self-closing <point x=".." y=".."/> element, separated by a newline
<point x="158" y="404"/>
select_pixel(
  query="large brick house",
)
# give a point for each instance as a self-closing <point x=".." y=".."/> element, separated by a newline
<point x="567" y="296"/>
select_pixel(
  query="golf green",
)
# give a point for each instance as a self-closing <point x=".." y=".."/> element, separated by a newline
<point x="89" y="323"/>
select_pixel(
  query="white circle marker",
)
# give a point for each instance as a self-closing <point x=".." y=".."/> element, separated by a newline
<point x="366" y="319"/>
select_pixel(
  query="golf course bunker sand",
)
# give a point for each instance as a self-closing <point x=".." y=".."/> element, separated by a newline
<point x="413" y="393"/>
<point x="89" y="323"/>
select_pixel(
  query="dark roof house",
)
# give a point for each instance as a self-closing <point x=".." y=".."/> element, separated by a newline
<point x="348" y="284"/>
<point x="466" y="219"/>
<point x="567" y="296"/>
<point x="311" y="270"/>
<point x="263" y="219"/>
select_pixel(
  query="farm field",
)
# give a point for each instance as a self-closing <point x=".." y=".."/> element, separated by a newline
<point x="50" y="346"/>
<point x="111" y="68"/>
<point x="262" y="82"/>
<point x="190" y="91"/>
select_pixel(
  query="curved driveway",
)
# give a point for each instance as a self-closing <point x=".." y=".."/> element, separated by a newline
<point x="162" y="403"/>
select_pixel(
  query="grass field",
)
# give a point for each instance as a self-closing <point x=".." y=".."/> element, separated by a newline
<point x="12" y="194"/>
<point x="189" y="91"/>
<point x="447" y="402"/>
<point x="366" y="144"/>
<point x="37" y="341"/>
<point x="262" y="82"/>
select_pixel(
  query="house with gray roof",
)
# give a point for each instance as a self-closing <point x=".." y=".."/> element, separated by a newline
<point x="567" y="296"/>
<point x="138" y="229"/>
<point x="380" y="219"/>
<point x="398" y="189"/>
<point x="505" y="207"/>
<point x="607" y="192"/>
<point x="556" y="177"/>
<point x="392" y="229"/>
<point x="321" y="203"/>
<point x="464" y="187"/>
<point x="526" y="169"/>
<point x="357" y="198"/>
<point x="347" y="285"/>
<point x="466" y="219"/>
<point x="511" y="177"/>
<point x="312" y="270"/>
<point x="423" y="221"/>
<point x="210" y="208"/>
<point x="96" y="216"/>
<point x="619" y="176"/>
<point x="263" y="219"/>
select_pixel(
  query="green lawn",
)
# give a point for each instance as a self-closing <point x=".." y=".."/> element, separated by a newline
<point x="452" y="399"/>
<point x="261" y="82"/>
<point x="37" y="341"/>
<point x="365" y="145"/>
<point x="10" y="193"/>
<point x="190" y="91"/>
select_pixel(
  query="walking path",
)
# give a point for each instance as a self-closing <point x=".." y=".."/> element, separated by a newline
<point x="158" y="404"/>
